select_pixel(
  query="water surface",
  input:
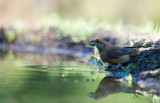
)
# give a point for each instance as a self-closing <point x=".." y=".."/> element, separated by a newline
<point x="59" y="81"/>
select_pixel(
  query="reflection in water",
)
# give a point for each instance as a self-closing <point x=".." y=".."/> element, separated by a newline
<point x="65" y="83"/>
<point x="110" y="85"/>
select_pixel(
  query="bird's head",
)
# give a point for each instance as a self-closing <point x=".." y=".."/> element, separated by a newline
<point x="100" y="44"/>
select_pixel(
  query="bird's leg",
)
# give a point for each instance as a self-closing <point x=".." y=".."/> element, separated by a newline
<point x="117" y="66"/>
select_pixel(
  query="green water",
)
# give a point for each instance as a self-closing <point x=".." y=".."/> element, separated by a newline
<point x="71" y="82"/>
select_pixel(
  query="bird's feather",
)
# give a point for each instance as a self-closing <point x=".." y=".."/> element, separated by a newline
<point x="115" y="52"/>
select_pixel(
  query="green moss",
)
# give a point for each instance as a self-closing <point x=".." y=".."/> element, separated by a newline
<point x="82" y="28"/>
<point x="10" y="35"/>
<point x="153" y="63"/>
<point x="129" y="66"/>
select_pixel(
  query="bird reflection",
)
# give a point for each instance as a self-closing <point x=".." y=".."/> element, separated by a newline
<point x="111" y="85"/>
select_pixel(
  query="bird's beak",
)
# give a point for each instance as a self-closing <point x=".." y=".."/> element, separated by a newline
<point x="92" y="43"/>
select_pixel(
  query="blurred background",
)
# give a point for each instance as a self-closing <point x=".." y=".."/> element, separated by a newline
<point x="79" y="17"/>
<point x="32" y="11"/>
<point x="76" y="21"/>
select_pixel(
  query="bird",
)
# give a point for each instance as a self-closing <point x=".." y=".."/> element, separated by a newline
<point x="112" y="54"/>
<point x="112" y="85"/>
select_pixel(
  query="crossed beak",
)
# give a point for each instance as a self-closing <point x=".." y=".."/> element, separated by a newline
<point x="92" y="43"/>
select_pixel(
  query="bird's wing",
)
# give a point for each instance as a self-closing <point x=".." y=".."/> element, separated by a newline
<point x="115" y="52"/>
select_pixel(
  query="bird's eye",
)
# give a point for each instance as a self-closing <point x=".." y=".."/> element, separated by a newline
<point x="98" y="41"/>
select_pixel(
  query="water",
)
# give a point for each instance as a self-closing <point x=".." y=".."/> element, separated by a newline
<point x="25" y="79"/>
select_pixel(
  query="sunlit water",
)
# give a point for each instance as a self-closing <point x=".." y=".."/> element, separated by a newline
<point x="23" y="82"/>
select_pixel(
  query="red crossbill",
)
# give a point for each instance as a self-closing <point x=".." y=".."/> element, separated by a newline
<point x="113" y="54"/>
